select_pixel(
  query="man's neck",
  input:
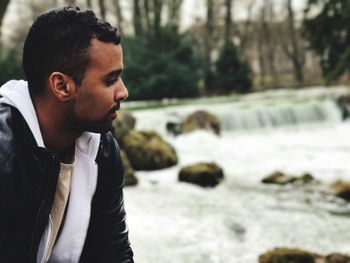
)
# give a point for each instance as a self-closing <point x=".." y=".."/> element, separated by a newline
<point x="55" y="132"/>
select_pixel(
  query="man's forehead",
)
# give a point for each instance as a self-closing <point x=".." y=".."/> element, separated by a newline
<point x="105" y="53"/>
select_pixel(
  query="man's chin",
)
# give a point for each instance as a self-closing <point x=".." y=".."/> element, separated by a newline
<point x="101" y="127"/>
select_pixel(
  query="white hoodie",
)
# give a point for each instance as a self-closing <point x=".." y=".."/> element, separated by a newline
<point x="70" y="243"/>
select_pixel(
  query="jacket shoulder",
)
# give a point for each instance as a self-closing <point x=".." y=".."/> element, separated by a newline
<point x="108" y="146"/>
<point x="109" y="159"/>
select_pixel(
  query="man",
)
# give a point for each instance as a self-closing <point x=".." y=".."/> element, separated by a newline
<point x="61" y="174"/>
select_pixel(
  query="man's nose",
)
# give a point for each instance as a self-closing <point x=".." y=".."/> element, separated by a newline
<point x="121" y="92"/>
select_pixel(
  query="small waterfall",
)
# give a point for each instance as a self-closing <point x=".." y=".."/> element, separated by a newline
<point x="248" y="114"/>
<point x="278" y="115"/>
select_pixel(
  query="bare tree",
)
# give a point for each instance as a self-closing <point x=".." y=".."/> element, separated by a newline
<point x="209" y="26"/>
<point x="228" y="21"/>
<point x="245" y="32"/>
<point x="120" y="18"/>
<point x="147" y="15"/>
<point x="157" y="9"/>
<point x="267" y="36"/>
<point x="70" y="2"/>
<point x="3" y="8"/>
<point x="102" y="6"/>
<point x="294" y="53"/>
<point x="174" y="13"/>
<point x="137" y="18"/>
<point x="88" y="3"/>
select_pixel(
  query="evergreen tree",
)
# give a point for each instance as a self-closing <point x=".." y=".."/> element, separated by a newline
<point x="159" y="67"/>
<point x="328" y="33"/>
<point x="232" y="73"/>
<point x="10" y="65"/>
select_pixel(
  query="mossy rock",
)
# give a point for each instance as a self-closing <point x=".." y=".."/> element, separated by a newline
<point x="146" y="150"/>
<point x="282" y="179"/>
<point x="337" y="258"/>
<point x="306" y="178"/>
<point x="278" y="178"/>
<point x="341" y="189"/>
<point x="201" y="120"/>
<point x="124" y="123"/>
<point x="129" y="175"/>
<point x="203" y="174"/>
<point x="343" y="103"/>
<point x="287" y="255"/>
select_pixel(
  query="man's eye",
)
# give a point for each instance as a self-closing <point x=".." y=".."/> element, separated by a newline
<point x="110" y="82"/>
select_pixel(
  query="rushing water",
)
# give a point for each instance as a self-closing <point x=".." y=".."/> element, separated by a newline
<point x="291" y="131"/>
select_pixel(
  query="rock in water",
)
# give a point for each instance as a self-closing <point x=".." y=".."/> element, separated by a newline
<point x="201" y="120"/>
<point x="129" y="175"/>
<point x="146" y="150"/>
<point x="287" y="255"/>
<point x="124" y="123"/>
<point x="337" y="258"/>
<point x="341" y="189"/>
<point x="282" y="179"/>
<point x="278" y="178"/>
<point x="203" y="174"/>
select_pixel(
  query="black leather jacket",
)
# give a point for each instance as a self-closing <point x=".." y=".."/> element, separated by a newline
<point x="28" y="176"/>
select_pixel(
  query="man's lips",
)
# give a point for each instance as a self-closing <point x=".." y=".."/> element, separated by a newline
<point x="115" y="108"/>
<point x="113" y="111"/>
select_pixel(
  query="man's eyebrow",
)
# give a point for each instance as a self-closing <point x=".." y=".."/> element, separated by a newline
<point x="114" y="73"/>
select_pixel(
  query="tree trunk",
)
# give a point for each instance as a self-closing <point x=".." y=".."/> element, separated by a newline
<point x="147" y="15"/>
<point x="3" y="8"/>
<point x="157" y="5"/>
<point x="260" y="53"/>
<point x="246" y="33"/>
<point x="120" y="18"/>
<point x="208" y="43"/>
<point x="88" y="3"/>
<point x="295" y="55"/>
<point x="70" y="2"/>
<point x="228" y="21"/>
<point x="101" y="3"/>
<point x="174" y="14"/>
<point x="137" y="19"/>
<point x="269" y="41"/>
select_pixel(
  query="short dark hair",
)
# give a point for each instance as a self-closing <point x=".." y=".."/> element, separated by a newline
<point x="59" y="40"/>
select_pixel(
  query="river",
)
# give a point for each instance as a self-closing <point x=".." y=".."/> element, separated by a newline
<point x="292" y="131"/>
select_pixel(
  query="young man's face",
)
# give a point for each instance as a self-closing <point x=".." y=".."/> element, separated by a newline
<point x="98" y="97"/>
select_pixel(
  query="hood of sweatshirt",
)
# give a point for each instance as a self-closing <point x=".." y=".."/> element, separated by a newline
<point x="16" y="94"/>
<point x="69" y="245"/>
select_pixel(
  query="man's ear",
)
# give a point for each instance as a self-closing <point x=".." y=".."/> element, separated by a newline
<point x="62" y="86"/>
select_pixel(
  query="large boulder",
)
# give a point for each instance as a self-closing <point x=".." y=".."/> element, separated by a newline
<point x="341" y="189"/>
<point x="282" y="179"/>
<point x="129" y="175"/>
<point x="146" y="150"/>
<point x="343" y="103"/>
<point x="278" y="178"/>
<point x="203" y="174"/>
<point x="124" y="123"/>
<point x="337" y="258"/>
<point x="173" y="124"/>
<point x="287" y="255"/>
<point x="201" y="120"/>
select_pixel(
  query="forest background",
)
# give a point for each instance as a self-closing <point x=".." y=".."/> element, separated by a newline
<point x="191" y="48"/>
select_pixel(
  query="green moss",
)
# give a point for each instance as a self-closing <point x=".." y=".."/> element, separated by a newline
<point x="203" y="174"/>
<point x="146" y="150"/>
<point x="287" y="255"/>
